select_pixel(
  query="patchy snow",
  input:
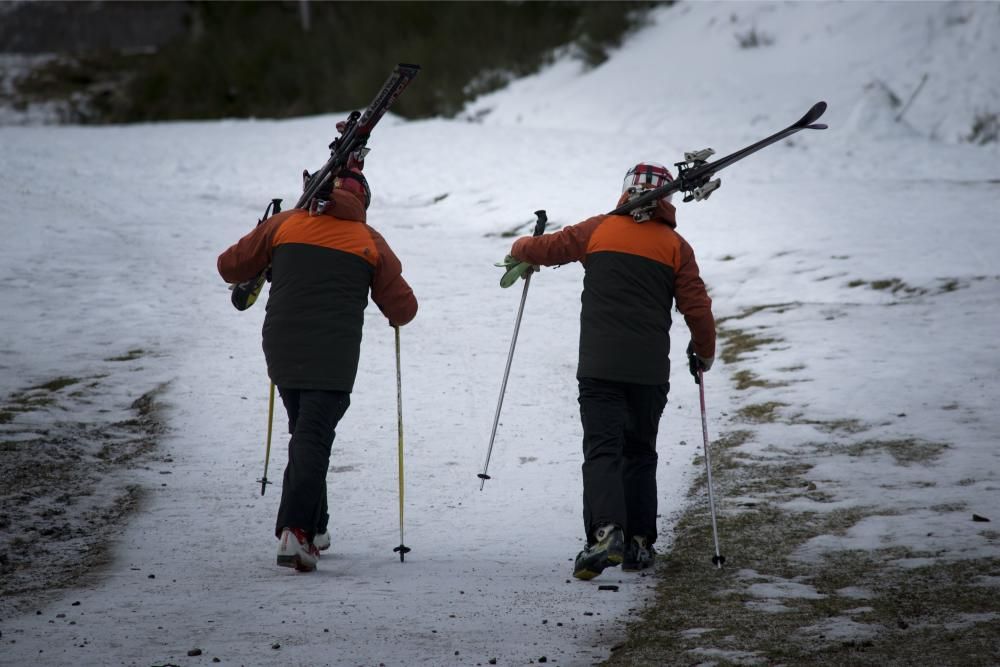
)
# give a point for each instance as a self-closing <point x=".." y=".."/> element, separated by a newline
<point x="855" y="593"/>
<point x="785" y="589"/>
<point x="695" y="632"/>
<point x="733" y="657"/>
<point x="946" y="535"/>
<point x="967" y="620"/>
<point x="840" y="629"/>
<point x="770" y="586"/>
<point x="768" y="606"/>
<point x="111" y="236"/>
<point x="859" y="610"/>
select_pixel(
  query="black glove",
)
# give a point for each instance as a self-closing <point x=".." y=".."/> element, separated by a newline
<point x="697" y="363"/>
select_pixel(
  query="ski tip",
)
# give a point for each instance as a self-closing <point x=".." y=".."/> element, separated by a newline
<point x="812" y="115"/>
<point x="408" y="66"/>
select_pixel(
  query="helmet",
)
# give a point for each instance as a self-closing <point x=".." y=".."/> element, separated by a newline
<point x="646" y="176"/>
<point x="353" y="181"/>
<point x="349" y="180"/>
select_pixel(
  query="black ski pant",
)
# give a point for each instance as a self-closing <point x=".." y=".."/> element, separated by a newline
<point x="620" y="421"/>
<point x="312" y="420"/>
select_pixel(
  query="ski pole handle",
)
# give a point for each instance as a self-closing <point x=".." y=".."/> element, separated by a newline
<point x="542" y="220"/>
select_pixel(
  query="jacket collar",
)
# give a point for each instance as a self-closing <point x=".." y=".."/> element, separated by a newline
<point x="665" y="211"/>
<point x="345" y="206"/>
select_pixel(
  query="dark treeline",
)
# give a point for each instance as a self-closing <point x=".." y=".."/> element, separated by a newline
<point x="281" y="59"/>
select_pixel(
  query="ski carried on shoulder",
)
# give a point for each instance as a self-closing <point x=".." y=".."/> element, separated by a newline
<point x="354" y="134"/>
<point x="694" y="174"/>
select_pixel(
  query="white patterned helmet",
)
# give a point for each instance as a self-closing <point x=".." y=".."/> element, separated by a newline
<point x="646" y="176"/>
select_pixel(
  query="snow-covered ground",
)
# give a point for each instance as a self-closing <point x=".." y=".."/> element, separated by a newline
<point x="111" y="236"/>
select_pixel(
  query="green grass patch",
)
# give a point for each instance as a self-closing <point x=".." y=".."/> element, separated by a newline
<point x="833" y="425"/>
<point x="34" y="398"/>
<point x="752" y="310"/>
<point x="895" y="286"/>
<point x="745" y="379"/>
<point x="904" y="451"/>
<point x="57" y="384"/>
<point x="725" y="453"/>
<point x="760" y="413"/>
<point x="791" y="369"/>
<point x="128" y="356"/>
<point x="949" y="285"/>
<point x="736" y="343"/>
<point x="700" y="614"/>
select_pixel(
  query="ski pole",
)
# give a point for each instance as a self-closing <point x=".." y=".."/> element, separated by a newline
<point x="542" y="218"/>
<point x="402" y="549"/>
<point x="718" y="559"/>
<point x="267" y="452"/>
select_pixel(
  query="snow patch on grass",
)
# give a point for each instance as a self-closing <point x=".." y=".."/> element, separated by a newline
<point x="841" y="628"/>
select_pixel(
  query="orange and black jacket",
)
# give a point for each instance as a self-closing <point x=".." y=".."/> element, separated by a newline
<point x="634" y="273"/>
<point x="322" y="267"/>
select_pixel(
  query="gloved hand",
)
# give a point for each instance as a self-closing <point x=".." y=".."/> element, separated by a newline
<point x="515" y="269"/>
<point x="697" y="363"/>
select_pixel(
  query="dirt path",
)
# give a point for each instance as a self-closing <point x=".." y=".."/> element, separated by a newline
<point x="66" y="447"/>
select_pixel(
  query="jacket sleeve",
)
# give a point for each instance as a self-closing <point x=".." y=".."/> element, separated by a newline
<point x="390" y="291"/>
<point x="567" y="245"/>
<point x="694" y="303"/>
<point x="252" y="253"/>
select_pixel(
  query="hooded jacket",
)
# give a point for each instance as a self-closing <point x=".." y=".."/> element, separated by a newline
<point x="322" y="268"/>
<point x="634" y="274"/>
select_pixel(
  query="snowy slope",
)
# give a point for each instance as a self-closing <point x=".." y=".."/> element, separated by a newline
<point x="120" y="254"/>
<point x="670" y="78"/>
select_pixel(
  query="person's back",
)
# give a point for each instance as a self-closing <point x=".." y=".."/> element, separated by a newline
<point x="323" y="266"/>
<point x="635" y="271"/>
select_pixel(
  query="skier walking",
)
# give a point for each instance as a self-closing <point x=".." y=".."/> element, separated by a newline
<point x="636" y="268"/>
<point x="324" y="260"/>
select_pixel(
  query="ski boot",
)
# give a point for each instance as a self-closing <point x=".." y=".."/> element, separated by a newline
<point x="638" y="555"/>
<point x="295" y="550"/>
<point x="607" y="551"/>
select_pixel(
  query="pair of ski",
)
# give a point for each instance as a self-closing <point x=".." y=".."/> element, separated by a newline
<point x="354" y="134"/>
<point x="694" y="179"/>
